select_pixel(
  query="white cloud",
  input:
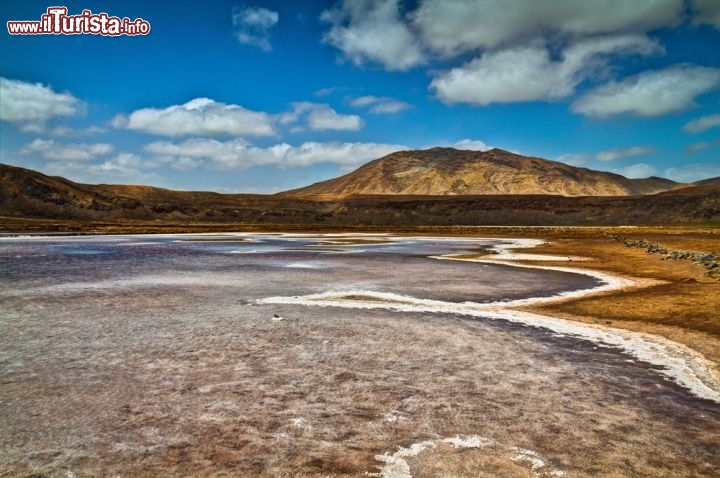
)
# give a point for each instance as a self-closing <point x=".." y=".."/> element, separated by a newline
<point x="472" y="145"/>
<point x="362" y="101"/>
<point x="237" y="154"/>
<point x="652" y="93"/>
<point x="320" y="117"/>
<point x="389" y="107"/>
<point x="693" y="172"/>
<point x="68" y="131"/>
<point x="378" y="31"/>
<point x="201" y="116"/>
<point x="330" y="90"/>
<point x="298" y="110"/>
<point x="574" y="159"/>
<point x="640" y="170"/>
<point x="326" y="118"/>
<point x="528" y="72"/>
<point x="617" y="153"/>
<point x="380" y="105"/>
<point x="695" y="147"/>
<point x="178" y="163"/>
<point x="253" y="25"/>
<point x="31" y="105"/>
<point x="703" y="123"/>
<point x="373" y="30"/>
<point x="67" y="152"/>
<point x="125" y="168"/>
<point x="126" y="160"/>
<point x="707" y="11"/>
<point x="118" y="122"/>
<point x="450" y="28"/>
<point x="219" y="151"/>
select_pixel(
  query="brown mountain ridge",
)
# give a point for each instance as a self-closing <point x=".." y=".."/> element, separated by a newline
<point x="439" y="186"/>
<point x="449" y="171"/>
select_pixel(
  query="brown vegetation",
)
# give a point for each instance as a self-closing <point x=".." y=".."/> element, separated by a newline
<point x="684" y="308"/>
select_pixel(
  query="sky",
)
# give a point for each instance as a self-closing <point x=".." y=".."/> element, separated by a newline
<point x="266" y="96"/>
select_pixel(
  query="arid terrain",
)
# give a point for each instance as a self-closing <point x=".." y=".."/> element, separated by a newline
<point x="435" y="187"/>
<point x="360" y="239"/>
<point x="450" y="171"/>
<point x="327" y="333"/>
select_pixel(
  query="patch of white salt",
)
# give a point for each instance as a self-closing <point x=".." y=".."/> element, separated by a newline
<point x="678" y="363"/>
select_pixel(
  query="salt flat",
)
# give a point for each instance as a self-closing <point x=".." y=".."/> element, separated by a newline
<point x="164" y="358"/>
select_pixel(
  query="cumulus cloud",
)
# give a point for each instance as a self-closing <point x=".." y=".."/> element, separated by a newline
<point x="326" y="118"/>
<point x="617" y="153"/>
<point x="528" y="72"/>
<point x="379" y="31"/>
<point x="380" y="105"/>
<point x="652" y="93"/>
<point x="374" y="31"/>
<point x="707" y="11"/>
<point x="125" y="168"/>
<point x="126" y="160"/>
<point x="31" y="105"/>
<point x="320" y="117"/>
<point x="201" y="116"/>
<point x="703" y="123"/>
<point x="253" y="25"/>
<point x="237" y="154"/>
<point x="52" y="150"/>
<point x="640" y="170"/>
<point x="450" y="28"/>
<point x="693" y="172"/>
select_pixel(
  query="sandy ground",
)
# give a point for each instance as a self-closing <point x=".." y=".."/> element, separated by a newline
<point x="178" y="378"/>
<point x="683" y="307"/>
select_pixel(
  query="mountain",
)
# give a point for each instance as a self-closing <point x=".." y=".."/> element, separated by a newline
<point x="31" y="201"/>
<point x="449" y="171"/>
<point x="708" y="182"/>
<point x="30" y="193"/>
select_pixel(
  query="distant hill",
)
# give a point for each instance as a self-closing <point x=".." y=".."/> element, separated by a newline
<point x="449" y="171"/>
<point x="708" y="182"/>
<point x="27" y="192"/>
<point x="29" y="199"/>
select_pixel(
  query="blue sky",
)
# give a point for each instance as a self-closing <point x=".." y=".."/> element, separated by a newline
<point x="270" y="95"/>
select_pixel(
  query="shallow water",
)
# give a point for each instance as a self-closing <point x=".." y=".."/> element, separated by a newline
<point x="131" y="355"/>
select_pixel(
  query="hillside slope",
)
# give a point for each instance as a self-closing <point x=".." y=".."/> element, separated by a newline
<point x="448" y="171"/>
<point x="27" y="196"/>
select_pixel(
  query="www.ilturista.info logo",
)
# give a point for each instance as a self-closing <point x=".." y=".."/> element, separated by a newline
<point x="57" y="22"/>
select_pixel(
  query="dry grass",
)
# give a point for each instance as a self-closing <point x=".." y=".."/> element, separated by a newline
<point x="686" y="308"/>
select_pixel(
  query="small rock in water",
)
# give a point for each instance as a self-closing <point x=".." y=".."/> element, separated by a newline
<point x="276" y="318"/>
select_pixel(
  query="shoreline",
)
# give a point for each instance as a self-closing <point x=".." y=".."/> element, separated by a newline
<point x="679" y="362"/>
<point x="684" y="343"/>
<point x="612" y="283"/>
<point x="456" y="389"/>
